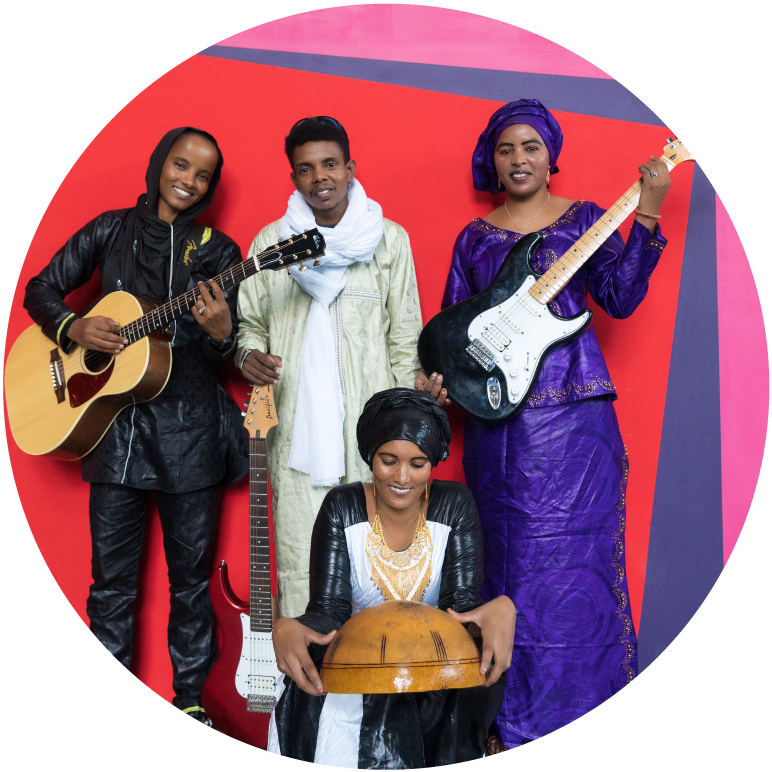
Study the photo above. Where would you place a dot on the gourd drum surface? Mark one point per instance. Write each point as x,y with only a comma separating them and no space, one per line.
400,646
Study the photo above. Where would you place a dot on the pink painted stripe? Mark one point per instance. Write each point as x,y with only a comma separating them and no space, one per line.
744,377
416,33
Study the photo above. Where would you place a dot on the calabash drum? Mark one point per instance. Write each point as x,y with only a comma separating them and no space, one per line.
400,646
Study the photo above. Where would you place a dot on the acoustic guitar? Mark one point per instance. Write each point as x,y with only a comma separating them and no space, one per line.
62,404
242,683
490,347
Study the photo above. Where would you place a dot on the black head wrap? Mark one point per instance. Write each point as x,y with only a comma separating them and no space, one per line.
144,232
403,414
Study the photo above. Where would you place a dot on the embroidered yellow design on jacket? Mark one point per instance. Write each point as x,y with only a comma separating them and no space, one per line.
207,235
191,246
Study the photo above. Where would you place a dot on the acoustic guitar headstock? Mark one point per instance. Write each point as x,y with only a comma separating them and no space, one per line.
675,152
308,245
260,412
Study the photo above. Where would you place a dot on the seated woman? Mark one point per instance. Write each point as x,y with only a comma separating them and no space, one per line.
392,528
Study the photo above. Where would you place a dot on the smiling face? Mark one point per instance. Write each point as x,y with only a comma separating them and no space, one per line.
321,174
522,160
186,175
401,471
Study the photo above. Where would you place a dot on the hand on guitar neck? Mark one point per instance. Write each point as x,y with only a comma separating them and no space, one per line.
655,181
261,369
212,313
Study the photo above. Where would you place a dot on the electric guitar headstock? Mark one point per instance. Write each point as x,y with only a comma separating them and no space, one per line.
260,412
308,245
674,153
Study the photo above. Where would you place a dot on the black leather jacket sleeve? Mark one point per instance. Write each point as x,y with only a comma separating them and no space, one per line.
230,256
329,578
71,267
462,569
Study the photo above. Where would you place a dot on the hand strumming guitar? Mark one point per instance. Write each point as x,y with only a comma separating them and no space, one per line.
97,333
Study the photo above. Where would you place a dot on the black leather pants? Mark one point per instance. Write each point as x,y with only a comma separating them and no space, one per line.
189,524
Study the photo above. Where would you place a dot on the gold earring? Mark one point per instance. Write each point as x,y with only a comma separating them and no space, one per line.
501,187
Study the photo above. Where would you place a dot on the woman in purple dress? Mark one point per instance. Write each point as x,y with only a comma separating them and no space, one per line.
550,483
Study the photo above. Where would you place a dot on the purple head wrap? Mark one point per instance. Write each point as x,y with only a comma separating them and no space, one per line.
530,111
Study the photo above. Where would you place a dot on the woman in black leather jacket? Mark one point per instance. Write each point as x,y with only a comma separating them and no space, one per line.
435,557
189,440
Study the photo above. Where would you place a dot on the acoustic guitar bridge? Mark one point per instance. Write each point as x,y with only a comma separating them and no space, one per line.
57,375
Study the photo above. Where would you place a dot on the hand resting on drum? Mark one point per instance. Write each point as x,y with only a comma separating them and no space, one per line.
291,640
496,620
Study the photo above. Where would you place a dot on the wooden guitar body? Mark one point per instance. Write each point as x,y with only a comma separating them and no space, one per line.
62,404
225,706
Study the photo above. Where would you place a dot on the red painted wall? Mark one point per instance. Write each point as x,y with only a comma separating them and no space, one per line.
413,151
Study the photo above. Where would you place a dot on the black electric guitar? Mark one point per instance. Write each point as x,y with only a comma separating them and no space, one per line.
490,347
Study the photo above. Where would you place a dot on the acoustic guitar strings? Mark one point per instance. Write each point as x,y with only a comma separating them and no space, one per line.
139,328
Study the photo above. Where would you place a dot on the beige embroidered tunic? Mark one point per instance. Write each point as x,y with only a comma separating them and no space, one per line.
376,322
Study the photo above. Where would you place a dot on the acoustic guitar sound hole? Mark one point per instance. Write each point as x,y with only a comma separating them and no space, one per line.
96,361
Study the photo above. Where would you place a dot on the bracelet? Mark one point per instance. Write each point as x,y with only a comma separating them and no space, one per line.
648,214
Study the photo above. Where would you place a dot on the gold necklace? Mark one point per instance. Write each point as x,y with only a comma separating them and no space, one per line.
519,229
400,575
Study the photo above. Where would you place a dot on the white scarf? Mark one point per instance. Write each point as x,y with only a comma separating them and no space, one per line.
317,437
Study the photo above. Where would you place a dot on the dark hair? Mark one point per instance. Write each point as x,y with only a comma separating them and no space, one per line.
318,129
199,133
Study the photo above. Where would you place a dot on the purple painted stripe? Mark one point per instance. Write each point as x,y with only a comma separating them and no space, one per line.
586,96
686,542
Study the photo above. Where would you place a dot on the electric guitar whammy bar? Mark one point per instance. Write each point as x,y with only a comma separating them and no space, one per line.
62,404
490,347
242,683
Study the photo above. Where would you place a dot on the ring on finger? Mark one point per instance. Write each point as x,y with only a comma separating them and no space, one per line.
201,310
655,174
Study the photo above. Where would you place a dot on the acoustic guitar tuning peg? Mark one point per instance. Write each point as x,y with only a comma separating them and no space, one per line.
246,404
243,413
303,268
316,263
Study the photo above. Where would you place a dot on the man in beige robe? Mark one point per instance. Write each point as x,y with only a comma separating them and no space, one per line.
376,320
